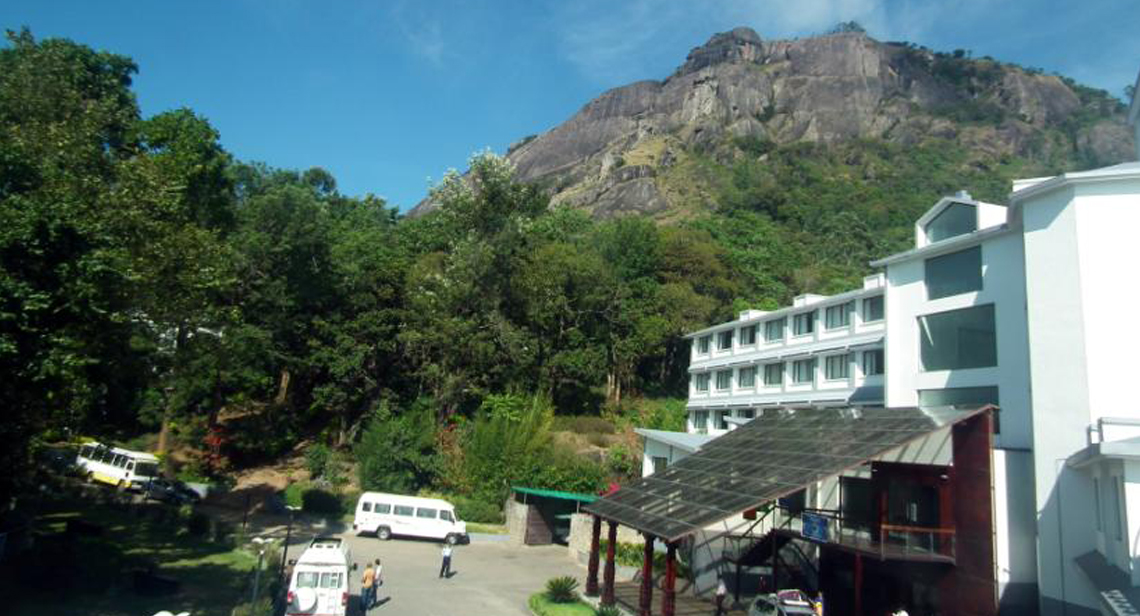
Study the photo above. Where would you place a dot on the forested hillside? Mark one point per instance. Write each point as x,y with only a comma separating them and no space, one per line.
151,281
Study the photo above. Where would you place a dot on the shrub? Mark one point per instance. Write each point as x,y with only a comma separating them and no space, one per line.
317,459
472,510
583,424
323,502
197,524
293,494
263,607
398,452
608,610
562,589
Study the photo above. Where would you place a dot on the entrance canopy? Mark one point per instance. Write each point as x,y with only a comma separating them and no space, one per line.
767,458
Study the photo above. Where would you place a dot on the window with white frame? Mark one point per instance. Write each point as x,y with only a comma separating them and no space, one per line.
958,339
972,397
746,377
873,309
748,335
721,417
837,367
774,329
723,379
839,316
803,323
703,344
700,421
724,340
774,374
954,274
872,362
955,219
803,370
701,381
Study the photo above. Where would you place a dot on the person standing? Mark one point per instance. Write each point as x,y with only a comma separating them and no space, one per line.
367,588
445,568
377,582
721,593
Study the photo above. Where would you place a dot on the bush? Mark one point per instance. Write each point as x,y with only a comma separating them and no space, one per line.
472,510
608,610
263,607
583,424
198,524
398,452
317,459
323,502
562,589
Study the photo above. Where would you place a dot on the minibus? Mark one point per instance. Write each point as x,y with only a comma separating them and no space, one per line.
411,516
119,467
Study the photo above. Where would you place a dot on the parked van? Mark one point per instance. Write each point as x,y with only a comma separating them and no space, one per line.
412,516
119,467
319,584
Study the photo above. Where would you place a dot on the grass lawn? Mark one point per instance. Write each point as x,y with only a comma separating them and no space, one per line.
541,606
92,574
488,529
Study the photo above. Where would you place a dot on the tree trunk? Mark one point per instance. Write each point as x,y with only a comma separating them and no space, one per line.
283,387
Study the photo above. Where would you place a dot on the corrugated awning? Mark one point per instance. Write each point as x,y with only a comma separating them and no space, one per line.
575,496
768,458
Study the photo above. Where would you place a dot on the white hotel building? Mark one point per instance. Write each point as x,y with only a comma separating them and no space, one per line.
1023,305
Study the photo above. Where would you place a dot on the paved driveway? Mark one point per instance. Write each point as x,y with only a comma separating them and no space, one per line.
490,578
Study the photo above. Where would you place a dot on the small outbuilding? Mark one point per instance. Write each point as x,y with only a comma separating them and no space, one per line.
540,517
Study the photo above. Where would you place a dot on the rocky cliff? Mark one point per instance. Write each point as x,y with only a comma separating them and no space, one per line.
740,96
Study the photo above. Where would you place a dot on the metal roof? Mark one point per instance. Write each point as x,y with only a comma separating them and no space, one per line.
575,496
681,440
767,458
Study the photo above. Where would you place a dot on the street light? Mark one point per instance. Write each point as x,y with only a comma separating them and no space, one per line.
288,535
260,557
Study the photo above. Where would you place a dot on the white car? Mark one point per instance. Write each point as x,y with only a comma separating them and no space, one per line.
785,603
319,584
386,515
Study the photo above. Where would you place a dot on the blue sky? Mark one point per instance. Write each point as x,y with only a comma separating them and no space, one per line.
387,94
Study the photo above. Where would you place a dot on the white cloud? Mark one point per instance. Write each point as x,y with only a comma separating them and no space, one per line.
423,32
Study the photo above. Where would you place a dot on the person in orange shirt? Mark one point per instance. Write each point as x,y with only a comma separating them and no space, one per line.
367,588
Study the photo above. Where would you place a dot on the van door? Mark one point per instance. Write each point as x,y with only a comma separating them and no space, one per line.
404,520
428,522
331,593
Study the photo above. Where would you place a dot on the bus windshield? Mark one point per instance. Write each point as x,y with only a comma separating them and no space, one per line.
146,469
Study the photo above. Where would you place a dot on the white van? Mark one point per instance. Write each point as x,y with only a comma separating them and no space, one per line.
319,584
119,467
392,514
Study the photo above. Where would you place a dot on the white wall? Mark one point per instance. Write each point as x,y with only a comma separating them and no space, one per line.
658,449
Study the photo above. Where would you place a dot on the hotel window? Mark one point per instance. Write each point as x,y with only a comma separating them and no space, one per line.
747,377
700,421
803,324
803,370
838,316
837,367
955,273
723,379
954,220
748,335
873,309
702,381
703,344
971,397
659,464
774,374
747,413
724,340
721,416
958,339
872,362
774,329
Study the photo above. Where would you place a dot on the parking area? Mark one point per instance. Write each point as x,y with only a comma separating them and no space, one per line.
490,578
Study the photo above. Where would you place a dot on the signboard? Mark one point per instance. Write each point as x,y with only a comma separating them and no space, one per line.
815,527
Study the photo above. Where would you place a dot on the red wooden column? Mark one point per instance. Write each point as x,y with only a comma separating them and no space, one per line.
645,599
608,575
592,567
858,585
669,600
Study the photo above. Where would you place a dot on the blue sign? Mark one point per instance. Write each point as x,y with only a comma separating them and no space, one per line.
815,527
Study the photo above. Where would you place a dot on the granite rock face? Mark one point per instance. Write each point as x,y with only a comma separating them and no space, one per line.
609,156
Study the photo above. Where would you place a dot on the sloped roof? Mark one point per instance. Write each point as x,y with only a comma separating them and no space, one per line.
681,440
767,458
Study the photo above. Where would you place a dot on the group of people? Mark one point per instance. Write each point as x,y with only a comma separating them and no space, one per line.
373,578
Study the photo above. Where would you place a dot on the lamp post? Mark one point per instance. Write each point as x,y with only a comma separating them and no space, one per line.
288,535
260,557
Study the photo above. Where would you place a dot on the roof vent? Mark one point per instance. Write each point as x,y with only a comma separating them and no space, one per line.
962,194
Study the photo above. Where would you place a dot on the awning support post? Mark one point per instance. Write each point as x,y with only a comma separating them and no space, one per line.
858,585
592,567
645,599
608,575
669,599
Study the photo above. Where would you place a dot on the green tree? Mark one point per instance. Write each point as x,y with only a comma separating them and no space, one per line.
397,453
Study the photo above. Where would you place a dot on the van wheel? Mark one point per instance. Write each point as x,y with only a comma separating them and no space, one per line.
90,477
383,533
121,486
452,539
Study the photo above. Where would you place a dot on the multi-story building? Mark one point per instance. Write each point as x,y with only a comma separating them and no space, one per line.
1016,305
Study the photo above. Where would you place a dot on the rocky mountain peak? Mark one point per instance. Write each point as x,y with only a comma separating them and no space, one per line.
736,45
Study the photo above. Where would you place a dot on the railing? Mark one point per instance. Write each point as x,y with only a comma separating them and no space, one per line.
891,541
